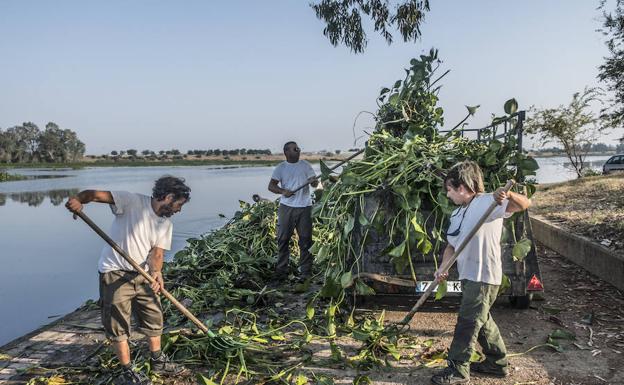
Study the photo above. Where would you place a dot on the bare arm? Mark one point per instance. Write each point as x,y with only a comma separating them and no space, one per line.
155,263
75,203
274,188
517,202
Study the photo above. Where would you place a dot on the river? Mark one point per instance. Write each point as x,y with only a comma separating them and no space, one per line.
49,261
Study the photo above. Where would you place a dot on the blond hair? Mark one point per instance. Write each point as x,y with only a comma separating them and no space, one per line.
468,174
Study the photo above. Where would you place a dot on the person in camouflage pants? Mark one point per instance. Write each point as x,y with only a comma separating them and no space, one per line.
480,271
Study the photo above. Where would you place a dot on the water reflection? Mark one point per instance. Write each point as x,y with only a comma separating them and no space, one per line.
36,198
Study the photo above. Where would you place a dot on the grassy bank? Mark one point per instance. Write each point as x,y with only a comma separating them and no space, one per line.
592,207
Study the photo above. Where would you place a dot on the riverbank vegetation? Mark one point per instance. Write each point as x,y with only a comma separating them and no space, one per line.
6,177
592,207
28,144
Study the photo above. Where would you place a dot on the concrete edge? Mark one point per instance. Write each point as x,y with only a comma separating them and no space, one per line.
584,252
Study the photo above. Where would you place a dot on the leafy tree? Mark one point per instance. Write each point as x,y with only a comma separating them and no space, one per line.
573,126
25,141
51,144
146,152
132,152
114,153
343,20
612,71
7,146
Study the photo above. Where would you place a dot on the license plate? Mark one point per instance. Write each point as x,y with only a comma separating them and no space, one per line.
451,286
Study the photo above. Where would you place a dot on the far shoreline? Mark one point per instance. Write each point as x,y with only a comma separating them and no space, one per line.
258,161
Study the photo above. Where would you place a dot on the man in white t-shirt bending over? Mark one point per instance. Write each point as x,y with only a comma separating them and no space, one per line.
295,210
480,270
141,228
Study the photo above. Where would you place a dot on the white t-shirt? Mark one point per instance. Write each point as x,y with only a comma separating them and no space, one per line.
480,261
136,229
291,176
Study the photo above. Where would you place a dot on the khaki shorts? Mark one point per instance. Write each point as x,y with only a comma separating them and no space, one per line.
126,292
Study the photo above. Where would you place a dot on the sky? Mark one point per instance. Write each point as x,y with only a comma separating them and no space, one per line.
250,74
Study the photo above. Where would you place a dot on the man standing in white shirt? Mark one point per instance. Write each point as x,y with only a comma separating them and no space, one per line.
480,271
143,229
295,210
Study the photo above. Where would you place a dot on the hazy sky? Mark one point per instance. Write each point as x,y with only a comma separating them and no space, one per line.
254,74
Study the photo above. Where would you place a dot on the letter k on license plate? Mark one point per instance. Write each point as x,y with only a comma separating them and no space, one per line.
451,286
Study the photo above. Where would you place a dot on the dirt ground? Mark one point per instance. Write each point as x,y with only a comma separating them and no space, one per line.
574,300
592,206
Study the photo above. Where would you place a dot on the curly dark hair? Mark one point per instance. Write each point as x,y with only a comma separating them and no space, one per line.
168,184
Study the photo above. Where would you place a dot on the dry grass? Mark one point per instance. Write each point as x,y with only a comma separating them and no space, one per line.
592,207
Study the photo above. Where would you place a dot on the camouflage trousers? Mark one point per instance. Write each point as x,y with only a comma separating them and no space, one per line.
475,324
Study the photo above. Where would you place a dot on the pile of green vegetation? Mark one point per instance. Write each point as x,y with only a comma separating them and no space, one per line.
223,276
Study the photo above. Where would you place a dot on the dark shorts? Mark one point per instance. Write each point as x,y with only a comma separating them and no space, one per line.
123,293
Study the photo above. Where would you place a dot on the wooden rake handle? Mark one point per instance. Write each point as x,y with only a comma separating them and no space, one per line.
445,267
138,268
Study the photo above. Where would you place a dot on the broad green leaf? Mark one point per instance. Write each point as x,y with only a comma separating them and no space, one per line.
398,250
472,109
441,290
505,284
425,246
325,171
528,165
521,249
360,335
417,227
394,99
310,310
511,106
345,280
363,289
363,220
349,225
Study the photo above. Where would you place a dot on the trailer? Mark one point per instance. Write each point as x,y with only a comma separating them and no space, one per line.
522,278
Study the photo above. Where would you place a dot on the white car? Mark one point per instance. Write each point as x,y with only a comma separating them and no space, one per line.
614,163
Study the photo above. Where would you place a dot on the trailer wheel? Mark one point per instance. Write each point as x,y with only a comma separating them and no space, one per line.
521,301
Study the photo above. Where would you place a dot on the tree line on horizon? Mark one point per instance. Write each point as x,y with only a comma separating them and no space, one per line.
150,154
26,143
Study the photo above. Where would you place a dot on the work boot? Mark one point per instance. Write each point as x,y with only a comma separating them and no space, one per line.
449,376
163,365
489,368
130,377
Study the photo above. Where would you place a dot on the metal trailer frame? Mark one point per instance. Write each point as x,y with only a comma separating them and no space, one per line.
524,276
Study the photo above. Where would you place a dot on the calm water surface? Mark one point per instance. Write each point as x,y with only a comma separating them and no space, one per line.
49,261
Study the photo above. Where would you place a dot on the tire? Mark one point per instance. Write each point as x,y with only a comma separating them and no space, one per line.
520,301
